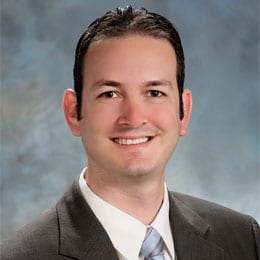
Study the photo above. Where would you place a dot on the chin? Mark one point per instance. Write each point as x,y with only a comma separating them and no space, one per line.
137,171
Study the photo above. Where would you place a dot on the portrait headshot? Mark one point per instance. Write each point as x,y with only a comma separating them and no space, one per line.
130,130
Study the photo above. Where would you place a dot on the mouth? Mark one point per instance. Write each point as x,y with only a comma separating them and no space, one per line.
132,141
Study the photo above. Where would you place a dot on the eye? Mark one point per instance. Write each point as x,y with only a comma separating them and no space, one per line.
108,94
155,93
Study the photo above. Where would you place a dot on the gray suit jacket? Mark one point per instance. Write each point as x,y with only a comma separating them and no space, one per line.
70,230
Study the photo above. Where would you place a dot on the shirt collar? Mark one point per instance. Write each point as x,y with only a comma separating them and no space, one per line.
162,223
118,223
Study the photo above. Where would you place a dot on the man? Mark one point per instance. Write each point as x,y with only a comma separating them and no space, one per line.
129,107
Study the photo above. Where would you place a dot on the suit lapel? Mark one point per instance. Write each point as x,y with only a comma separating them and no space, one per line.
189,231
81,234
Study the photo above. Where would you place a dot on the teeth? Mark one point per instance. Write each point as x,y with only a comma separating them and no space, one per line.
131,141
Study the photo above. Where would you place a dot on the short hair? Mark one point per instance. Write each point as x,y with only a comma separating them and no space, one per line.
125,21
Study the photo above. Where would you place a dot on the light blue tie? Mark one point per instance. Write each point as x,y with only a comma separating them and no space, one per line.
152,247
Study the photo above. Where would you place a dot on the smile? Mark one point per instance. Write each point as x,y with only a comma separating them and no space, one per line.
127,141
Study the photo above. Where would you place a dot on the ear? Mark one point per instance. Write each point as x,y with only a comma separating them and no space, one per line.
70,111
187,107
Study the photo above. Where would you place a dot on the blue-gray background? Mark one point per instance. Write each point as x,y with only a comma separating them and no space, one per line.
218,160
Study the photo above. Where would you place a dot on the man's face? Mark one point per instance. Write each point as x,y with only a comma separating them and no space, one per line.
130,106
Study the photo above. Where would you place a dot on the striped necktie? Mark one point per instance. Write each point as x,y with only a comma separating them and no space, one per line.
152,247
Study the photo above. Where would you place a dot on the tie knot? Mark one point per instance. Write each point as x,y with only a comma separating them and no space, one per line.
152,247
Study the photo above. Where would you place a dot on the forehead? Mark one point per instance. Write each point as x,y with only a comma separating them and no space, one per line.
133,55
130,42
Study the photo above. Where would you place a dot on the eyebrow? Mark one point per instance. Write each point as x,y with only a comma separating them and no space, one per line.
103,83
158,83
112,83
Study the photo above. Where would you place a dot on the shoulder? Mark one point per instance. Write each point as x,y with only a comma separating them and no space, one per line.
223,223
40,237
209,210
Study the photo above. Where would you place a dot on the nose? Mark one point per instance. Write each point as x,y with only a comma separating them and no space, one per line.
133,113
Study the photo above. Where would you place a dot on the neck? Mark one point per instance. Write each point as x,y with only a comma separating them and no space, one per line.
140,197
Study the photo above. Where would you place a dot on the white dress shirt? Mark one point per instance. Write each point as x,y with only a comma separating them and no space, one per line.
126,232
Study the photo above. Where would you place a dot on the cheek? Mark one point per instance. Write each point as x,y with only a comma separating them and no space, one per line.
171,125
98,119
167,118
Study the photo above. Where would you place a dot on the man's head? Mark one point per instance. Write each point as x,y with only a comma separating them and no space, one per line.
121,22
128,94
